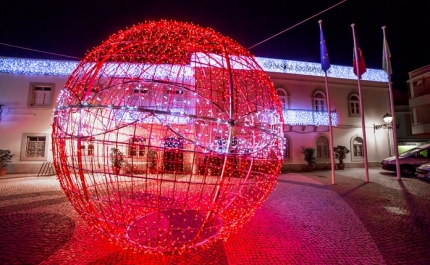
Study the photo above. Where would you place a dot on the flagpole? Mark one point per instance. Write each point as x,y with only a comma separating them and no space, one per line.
393,122
363,125
329,121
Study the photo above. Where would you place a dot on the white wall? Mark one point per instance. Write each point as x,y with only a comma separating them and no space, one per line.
14,90
375,104
18,117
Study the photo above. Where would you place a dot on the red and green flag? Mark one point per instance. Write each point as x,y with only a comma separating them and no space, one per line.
361,64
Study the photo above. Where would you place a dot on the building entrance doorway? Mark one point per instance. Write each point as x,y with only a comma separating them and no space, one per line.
173,154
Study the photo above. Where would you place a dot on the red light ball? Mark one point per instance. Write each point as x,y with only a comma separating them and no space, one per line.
167,137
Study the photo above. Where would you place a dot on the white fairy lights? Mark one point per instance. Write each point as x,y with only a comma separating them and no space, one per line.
314,69
65,68
308,117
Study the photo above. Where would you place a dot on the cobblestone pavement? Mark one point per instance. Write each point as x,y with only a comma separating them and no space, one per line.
306,220
395,213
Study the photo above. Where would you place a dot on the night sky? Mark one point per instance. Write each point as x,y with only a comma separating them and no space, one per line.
75,27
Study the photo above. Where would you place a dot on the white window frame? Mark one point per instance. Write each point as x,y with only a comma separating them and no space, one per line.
48,98
24,139
287,143
283,96
176,98
327,147
353,105
139,96
137,147
88,147
319,103
355,158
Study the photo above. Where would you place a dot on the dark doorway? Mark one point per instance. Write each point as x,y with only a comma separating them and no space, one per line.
173,154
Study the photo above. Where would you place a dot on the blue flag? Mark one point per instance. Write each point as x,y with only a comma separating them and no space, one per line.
325,61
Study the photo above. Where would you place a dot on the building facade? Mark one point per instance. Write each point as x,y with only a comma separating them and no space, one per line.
419,100
29,89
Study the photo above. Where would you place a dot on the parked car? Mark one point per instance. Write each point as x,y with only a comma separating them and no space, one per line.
409,160
423,171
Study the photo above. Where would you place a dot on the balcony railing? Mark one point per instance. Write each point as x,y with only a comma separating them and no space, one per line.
308,117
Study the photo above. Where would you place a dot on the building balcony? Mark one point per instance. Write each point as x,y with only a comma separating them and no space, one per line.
421,119
421,128
308,117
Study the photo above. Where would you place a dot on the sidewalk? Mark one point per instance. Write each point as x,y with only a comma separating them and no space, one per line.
306,220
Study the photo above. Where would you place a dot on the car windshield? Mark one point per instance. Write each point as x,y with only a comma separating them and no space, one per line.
409,152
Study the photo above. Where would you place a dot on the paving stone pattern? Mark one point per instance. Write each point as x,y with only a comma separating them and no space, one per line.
306,220
395,213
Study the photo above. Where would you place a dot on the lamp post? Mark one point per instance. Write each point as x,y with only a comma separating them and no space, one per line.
387,119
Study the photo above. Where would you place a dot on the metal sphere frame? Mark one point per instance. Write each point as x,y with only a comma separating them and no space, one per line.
167,137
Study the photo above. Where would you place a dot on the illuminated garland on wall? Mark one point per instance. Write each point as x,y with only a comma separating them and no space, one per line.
65,68
314,69
36,67
308,117
51,67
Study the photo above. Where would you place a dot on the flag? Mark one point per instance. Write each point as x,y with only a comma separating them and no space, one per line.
325,61
361,64
385,67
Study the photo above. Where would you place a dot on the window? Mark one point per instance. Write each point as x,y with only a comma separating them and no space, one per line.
323,147
283,96
176,97
41,95
319,101
34,147
287,148
87,143
357,153
139,96
83,149
90,149
137,147
354,105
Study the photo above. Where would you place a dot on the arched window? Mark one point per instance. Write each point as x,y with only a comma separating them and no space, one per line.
287,148
319,101
283,96
354,105
357,152
357,147
323,150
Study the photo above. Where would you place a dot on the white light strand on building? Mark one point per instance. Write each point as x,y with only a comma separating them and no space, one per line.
308,117
314,69
65,68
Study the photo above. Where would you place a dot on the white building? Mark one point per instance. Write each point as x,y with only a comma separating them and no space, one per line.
28,89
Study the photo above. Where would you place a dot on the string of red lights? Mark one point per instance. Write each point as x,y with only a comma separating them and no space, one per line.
167,137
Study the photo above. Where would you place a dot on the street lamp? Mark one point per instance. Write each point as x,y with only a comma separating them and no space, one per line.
387,119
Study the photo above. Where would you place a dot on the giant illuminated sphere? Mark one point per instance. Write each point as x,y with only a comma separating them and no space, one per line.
167,137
